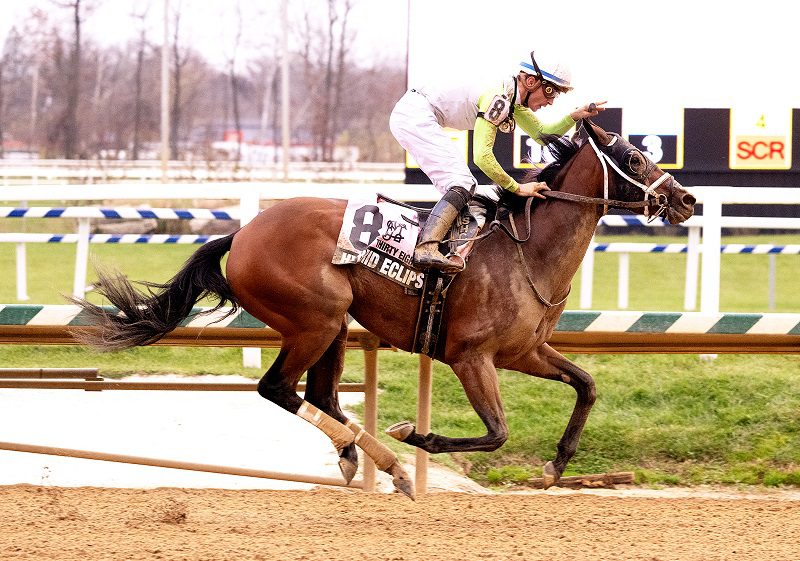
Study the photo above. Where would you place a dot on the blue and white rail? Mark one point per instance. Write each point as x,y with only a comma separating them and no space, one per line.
249,195
118,213
150,239
728,249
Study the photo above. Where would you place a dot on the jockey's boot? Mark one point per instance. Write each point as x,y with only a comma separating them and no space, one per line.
426,254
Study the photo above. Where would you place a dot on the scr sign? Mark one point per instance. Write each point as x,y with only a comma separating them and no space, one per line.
761,139
766,149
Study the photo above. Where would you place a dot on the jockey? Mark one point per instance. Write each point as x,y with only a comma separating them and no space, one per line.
418,122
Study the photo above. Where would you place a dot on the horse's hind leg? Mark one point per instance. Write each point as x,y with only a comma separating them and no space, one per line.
545,362
279,384
322,391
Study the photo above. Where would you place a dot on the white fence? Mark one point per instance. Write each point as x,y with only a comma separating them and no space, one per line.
247,195
704,236
624,250
703,232
35,172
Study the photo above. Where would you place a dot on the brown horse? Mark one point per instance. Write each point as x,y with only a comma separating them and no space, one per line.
499,313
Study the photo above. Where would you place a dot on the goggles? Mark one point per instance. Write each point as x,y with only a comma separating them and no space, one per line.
550,90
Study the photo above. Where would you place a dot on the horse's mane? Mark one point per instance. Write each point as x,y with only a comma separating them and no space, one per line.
562,149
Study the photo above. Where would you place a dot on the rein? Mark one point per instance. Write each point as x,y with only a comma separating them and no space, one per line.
596,200
544,301
514,236
605,161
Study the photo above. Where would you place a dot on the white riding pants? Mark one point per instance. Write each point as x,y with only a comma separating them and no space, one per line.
414,124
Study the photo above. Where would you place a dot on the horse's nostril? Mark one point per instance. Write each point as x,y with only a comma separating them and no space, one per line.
688,199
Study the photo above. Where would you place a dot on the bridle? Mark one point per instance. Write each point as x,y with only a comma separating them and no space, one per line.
605,161
649,190
651,197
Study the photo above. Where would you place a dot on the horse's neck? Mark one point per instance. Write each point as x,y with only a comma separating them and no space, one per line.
563,230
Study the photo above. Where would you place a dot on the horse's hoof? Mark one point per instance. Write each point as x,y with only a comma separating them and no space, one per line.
401,430
550,475
402,482
348,468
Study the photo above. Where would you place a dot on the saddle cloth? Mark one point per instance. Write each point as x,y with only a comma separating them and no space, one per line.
381,236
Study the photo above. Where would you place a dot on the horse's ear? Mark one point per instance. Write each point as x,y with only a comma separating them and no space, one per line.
595,132
581,134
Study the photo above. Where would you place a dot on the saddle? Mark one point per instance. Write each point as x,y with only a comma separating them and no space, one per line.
436,283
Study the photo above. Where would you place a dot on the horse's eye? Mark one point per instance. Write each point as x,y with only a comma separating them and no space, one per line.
637,162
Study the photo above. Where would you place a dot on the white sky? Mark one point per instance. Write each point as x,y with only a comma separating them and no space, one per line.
681,53
636,54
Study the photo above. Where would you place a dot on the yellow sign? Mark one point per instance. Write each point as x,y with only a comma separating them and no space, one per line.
527,152
761,139
459,138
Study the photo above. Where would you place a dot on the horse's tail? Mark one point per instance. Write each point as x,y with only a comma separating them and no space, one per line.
147,317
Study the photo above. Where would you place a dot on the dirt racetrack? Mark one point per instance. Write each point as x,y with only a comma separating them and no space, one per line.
204,524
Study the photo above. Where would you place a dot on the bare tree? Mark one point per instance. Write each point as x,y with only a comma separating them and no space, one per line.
3,65
264,74
327,103
67,126
234,82
338,82
67,95
137,104
330,46
180,58
366,117
7,54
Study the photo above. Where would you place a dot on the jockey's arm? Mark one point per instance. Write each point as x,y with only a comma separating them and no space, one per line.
536,129
483,138
485,134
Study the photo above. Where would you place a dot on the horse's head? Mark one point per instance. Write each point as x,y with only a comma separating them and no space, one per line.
629,175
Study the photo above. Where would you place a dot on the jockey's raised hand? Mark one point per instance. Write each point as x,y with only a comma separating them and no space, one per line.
588,110
532,189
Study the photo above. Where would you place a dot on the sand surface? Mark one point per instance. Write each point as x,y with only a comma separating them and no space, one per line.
69,509
205,524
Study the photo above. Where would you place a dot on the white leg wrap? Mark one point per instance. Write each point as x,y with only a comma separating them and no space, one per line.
380,454
339,434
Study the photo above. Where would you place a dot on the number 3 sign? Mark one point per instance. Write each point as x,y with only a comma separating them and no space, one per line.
658,134
662,149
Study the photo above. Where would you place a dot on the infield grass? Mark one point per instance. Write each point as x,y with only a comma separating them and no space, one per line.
673,419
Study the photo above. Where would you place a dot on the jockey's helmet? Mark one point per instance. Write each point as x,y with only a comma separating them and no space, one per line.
549,70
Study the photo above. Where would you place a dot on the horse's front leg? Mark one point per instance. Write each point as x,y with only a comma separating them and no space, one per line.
545,362
479,379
